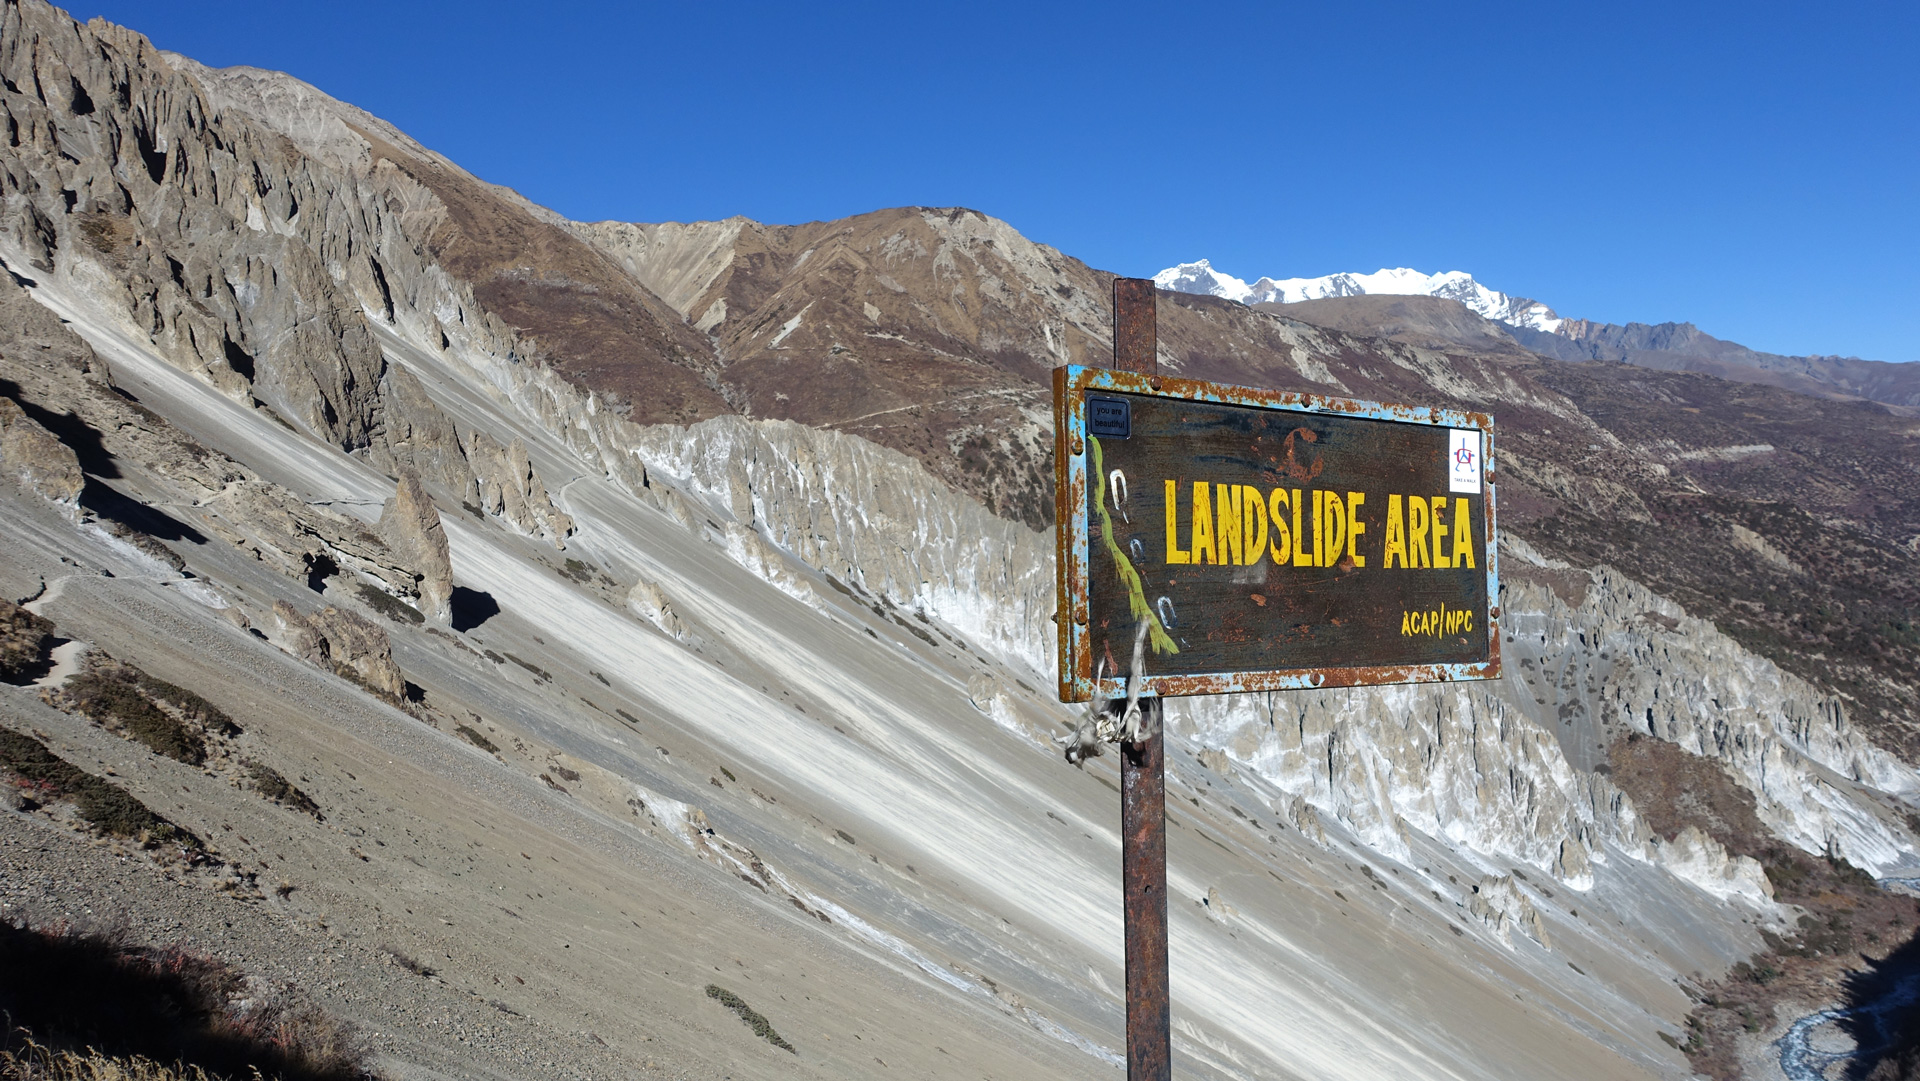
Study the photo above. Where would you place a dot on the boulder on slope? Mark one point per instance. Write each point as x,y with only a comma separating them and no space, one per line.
511,488
1499,904
346,643
38,458
648,601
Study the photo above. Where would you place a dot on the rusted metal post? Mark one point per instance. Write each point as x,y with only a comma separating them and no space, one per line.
1143,783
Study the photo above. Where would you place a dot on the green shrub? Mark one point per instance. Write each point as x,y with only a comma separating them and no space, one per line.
111,696
274,785
760,1025
389,605
105,806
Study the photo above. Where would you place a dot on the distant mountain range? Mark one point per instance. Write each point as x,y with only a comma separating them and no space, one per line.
1457,285
1537,328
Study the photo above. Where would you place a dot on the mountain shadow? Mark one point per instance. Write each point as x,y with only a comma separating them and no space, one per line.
107,502
1884,1021
74,991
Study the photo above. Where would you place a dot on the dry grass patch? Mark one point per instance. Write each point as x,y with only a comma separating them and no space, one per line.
30,1061
473,736
26,644
274,785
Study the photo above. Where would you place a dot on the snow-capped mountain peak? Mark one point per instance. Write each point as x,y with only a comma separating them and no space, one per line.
1201,277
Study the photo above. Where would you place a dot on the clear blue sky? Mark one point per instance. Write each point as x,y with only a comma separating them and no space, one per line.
1752,167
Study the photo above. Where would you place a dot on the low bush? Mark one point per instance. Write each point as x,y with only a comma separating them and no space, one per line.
274,785
192,706
389,605
99,998
47,777
532,667
111,696
26,644
760,1025
474,737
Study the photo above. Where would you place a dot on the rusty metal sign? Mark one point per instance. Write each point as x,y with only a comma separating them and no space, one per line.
1268,540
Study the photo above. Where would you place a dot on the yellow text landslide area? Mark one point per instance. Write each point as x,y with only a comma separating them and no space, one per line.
1239,525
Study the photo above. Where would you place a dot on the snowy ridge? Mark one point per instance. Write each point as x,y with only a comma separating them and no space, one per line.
1200,277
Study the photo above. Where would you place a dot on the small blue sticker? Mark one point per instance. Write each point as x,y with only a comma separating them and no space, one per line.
1109,418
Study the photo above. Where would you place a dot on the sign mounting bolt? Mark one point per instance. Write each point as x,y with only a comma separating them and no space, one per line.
1078,446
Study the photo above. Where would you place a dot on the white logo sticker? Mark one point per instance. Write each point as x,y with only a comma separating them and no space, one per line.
1463,460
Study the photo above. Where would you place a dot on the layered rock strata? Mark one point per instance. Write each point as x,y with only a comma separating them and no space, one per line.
57,374
508,486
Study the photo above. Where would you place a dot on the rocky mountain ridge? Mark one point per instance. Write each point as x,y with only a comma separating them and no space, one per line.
1534,326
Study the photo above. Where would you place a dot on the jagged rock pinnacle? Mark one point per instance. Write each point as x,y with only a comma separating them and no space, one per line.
411,527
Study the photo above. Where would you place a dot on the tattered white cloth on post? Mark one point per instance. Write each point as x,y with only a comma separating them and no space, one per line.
1101,725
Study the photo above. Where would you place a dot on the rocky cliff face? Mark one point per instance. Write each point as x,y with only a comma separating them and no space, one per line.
871,519
927,331
1593,656
143,182
58,376
1490,767
37,459
263,237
